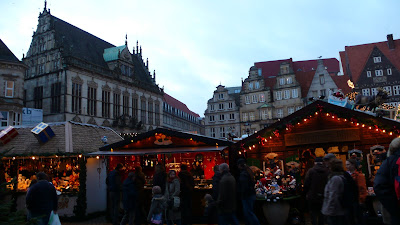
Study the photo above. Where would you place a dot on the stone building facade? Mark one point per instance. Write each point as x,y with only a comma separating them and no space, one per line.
74,75
12,72
177,116
256,110
222,118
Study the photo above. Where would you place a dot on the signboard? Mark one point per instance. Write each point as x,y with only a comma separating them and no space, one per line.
31,116
323,136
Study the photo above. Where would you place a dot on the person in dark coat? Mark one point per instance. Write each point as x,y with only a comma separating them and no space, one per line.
247,192
187,186
160,177
314,185
226,203
215,182
129,197
140,180
158,206
114,185
384,183
172,190
41,199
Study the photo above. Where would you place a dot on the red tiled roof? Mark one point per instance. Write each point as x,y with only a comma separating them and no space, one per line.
272,68
305,80
173,102
358,55
341,82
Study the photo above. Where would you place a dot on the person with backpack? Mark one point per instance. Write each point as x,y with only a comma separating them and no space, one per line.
387,182
129,197
247,192
114,185
314,185
157,207
172,190
187,186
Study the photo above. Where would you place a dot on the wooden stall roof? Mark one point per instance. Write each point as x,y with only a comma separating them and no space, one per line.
277,136
155,151
80,138
163,140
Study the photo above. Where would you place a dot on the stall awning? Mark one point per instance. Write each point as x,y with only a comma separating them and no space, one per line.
154,151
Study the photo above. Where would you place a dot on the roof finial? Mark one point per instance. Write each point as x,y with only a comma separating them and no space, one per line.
126,39
45,5
137,47
147,62
140,50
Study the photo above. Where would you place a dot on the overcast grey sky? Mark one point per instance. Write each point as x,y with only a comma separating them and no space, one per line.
196,45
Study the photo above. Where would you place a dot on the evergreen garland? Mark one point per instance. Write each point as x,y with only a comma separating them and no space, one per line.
81,204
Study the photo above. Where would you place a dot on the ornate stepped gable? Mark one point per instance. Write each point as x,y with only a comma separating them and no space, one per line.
81,49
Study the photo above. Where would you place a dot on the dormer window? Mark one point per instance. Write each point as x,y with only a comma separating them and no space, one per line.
259,71
377,59
250,86
257,85
282,81
289,80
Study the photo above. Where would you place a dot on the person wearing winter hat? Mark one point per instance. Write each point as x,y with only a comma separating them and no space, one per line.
314,185
385,185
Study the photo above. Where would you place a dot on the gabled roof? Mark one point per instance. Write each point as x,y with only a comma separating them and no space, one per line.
173,102
324,107
6,54
341,82
270,69
84,138
358,55
305,79
146,141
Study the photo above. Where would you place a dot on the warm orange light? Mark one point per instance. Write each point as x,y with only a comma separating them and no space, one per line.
391,133
298,123
240,152
363,125
370,128
316,113
33,157
305,120
333,117
80,156
327,114
97,157
358,124
345,120
384,131
270,137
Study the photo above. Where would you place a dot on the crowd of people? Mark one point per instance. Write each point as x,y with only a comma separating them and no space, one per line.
334,195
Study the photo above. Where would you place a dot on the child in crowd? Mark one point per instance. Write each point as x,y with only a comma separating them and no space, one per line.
158,206
210,210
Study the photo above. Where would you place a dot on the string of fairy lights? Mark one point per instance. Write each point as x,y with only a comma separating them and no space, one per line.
275,134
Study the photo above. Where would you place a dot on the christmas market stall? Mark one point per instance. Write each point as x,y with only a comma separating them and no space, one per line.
285,150
58,149
171,149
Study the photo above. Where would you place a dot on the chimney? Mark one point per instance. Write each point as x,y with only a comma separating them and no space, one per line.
390,41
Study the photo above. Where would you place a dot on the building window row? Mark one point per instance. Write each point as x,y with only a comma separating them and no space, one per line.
379,72
388,89
287,94
254,98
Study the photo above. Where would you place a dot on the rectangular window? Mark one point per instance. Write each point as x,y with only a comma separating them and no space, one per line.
117,105
92,101
264,114
251,115
230,105
289,80
286,94
56,97
257,85
4,118
295,93
278,95
38,97
366,92
259,71
222,132
220,96
76,103
157,113
105,104
279,113
135,104
211,107
231,116
254,98
290,110
262,98
298,107
9,92
282,81
221,117
143,111
212,118
244,116
388,89
125,105
150,113
373,91
389,71
247,99
378,73
323,92
377,59
368,73
396,90
250,86
212,132
221,106
321,79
